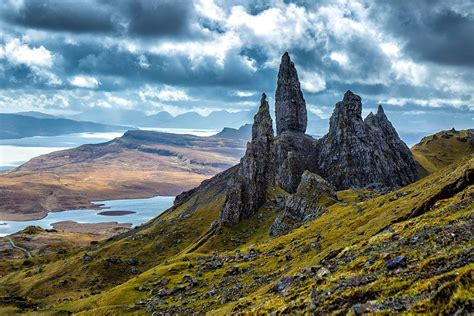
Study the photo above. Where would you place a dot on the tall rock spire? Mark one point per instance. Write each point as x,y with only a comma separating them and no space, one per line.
290,106
246,191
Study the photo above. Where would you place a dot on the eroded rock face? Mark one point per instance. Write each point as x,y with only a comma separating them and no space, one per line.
290,106
361,154
246,191
312,197
294,153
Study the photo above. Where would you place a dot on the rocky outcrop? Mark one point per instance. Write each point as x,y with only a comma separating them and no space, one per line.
246,191
362,154
354,154
290,106
314,194
294,153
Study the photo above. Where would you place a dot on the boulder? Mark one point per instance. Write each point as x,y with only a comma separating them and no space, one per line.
310,201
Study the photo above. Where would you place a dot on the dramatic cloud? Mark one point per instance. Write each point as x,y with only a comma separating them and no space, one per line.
85,82
415,57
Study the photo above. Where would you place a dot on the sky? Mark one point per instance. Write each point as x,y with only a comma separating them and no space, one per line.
416,58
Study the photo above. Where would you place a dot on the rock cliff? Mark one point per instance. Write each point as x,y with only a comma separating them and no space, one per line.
364,154
246,191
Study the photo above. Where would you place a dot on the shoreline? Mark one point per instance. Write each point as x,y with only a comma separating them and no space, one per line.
94,205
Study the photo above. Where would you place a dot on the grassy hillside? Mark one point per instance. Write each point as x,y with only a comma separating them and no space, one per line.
437,151
405,251
330,264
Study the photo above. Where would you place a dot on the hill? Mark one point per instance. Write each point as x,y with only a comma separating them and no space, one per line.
138,164
36,114
437,151
363,254
18,126
243,132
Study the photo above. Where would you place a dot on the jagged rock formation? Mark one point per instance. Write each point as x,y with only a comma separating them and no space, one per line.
310,201
294,150
358,153
290,106
354,154
247,189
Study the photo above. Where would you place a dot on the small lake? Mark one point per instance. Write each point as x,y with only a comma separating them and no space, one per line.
145,209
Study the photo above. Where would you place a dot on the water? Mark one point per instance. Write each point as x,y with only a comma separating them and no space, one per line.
191,131
145,209
14,152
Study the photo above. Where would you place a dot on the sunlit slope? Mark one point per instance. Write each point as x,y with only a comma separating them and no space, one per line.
409,250
441,149
60,277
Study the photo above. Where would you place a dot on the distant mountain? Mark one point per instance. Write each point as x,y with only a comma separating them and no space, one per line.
215,120
15,126
243,132
111,116
36,114
138,164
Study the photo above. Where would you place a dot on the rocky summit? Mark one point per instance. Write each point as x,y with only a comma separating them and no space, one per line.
355,153
290,106
368,153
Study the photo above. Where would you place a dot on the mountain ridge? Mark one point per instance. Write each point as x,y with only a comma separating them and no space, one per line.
16,126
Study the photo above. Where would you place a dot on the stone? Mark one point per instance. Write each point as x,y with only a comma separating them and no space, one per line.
290,106
366,153
132,262
310,201
246,191
323,272
87,258
294,153
397,262
282,285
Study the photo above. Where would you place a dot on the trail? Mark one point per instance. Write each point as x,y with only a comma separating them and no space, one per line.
27,252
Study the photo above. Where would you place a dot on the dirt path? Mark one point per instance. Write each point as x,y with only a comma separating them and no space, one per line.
12,243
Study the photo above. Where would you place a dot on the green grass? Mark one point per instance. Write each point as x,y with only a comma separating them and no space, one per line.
444,148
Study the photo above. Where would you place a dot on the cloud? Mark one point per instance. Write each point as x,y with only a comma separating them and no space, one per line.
436,31
312,82
242,94
340,57
158,18
206,54
57,15
167,93
17,52
84,82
